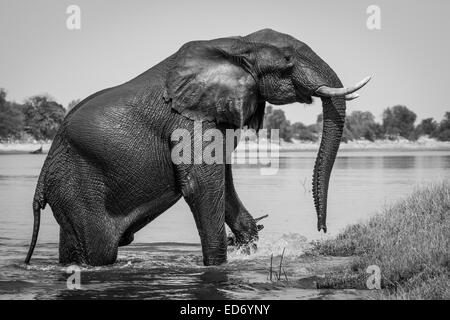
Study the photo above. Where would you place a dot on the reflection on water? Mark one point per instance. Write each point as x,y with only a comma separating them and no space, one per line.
156,267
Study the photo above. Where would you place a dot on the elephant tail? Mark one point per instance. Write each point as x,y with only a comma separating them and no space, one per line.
39,203
36,224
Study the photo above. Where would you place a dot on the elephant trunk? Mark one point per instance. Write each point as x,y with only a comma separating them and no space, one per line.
320,80
333,97
333,125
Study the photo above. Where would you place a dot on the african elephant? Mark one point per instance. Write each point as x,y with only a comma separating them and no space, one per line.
109,170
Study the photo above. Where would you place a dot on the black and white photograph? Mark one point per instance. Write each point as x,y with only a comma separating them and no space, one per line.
224,155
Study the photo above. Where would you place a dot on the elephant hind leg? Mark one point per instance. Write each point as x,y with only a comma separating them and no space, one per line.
99,255
76,192
88,234
101,249
69,249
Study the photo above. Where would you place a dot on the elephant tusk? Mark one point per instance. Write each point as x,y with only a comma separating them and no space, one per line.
259,227
351,96
260,218
325,91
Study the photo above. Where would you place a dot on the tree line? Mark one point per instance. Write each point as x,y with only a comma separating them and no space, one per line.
397,122
40,116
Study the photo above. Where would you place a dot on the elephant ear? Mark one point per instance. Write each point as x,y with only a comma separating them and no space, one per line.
213,81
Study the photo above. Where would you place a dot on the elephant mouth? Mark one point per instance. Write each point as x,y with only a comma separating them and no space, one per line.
303,97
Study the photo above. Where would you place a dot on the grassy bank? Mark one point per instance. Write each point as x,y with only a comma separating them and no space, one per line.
409,241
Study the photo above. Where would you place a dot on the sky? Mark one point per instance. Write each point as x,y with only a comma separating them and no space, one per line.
408,57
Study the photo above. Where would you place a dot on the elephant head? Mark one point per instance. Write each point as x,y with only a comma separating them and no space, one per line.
229,80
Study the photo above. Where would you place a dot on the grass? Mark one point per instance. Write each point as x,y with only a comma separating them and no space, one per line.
409,241
280,272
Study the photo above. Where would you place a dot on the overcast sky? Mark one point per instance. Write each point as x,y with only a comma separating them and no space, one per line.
409,56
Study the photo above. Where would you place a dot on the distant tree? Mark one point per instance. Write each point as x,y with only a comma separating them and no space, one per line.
297,126
310,132
426,127
304,133
315,128
286,131
444,135
2,96
43,116
359,125
399,121
443,131
72,104
276,119
11,118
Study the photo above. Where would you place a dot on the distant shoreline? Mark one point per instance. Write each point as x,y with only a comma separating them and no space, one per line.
423,144
24,147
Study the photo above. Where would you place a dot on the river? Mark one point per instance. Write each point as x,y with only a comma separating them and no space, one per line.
164,261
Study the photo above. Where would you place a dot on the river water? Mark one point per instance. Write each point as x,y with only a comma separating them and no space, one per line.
164,261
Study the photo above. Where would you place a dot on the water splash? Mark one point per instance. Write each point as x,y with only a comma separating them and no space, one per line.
294,244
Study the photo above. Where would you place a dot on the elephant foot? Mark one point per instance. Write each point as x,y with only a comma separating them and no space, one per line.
233,241
245,241
214,261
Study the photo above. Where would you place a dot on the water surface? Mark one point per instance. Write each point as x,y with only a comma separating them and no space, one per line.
164,261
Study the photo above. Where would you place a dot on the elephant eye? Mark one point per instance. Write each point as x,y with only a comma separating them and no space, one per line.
288,62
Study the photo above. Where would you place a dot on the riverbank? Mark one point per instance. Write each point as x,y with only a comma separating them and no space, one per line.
409,242
423,143
24,147
401,144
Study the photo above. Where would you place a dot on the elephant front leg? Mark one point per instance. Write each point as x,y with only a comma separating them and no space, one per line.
204,190
241,223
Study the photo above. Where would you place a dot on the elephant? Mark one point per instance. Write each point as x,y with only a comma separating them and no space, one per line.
109,170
